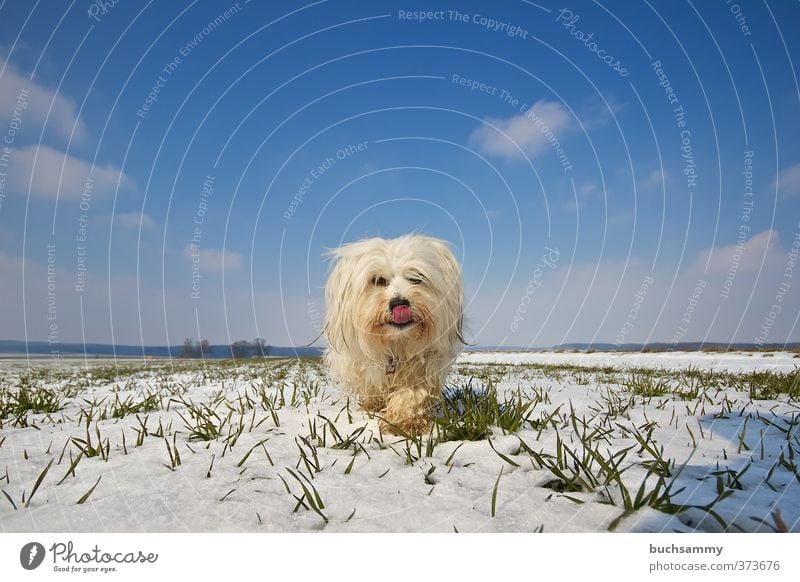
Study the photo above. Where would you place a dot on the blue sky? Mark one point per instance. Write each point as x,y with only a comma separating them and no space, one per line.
538,138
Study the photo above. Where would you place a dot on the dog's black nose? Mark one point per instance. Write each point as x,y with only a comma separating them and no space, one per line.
398,301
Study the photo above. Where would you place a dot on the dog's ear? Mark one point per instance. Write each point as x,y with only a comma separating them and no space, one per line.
453,293
446,259
340,299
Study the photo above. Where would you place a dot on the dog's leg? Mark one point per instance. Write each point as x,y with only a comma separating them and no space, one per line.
407,410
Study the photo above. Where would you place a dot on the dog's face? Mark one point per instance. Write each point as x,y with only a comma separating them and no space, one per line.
394,295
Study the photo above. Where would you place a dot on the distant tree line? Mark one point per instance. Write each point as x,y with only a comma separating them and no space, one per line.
195,349
258,348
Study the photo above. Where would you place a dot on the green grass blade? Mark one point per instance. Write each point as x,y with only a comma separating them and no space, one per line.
38,482
89,492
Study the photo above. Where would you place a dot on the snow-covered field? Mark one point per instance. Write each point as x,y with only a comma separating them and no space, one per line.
719,361
586,442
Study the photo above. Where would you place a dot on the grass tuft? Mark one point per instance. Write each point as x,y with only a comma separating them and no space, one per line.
468,413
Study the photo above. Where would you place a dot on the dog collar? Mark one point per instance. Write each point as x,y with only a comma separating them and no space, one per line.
391,365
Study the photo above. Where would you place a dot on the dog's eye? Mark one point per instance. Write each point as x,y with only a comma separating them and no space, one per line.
414,280
380,282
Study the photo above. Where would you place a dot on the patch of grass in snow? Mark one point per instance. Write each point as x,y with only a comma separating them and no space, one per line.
585,467
613,404
29,397
581,377
686,384
35,488
108,374
311,499
33,398
468,413
97,448
764,385
646,384
204,424
593,466
121,408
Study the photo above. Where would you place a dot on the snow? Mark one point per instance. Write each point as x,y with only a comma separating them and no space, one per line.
714,435
718,361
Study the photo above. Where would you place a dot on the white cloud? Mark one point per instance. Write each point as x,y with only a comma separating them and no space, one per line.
38,106
213,260
532,132
581,301
787,181
654,178
746,255
134,220
49,172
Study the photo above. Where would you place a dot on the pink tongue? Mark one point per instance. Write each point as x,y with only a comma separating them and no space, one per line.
401,314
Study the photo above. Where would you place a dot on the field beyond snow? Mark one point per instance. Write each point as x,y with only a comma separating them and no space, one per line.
522,442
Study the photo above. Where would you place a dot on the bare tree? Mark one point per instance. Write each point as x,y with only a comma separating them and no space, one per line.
262,349
187,351
204,348
241,349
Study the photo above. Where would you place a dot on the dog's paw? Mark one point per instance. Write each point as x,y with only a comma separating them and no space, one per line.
372,404
411,426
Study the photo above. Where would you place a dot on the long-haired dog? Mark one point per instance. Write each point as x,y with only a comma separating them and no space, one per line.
394,325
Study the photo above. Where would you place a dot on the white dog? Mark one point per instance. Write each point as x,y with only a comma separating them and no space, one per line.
393,325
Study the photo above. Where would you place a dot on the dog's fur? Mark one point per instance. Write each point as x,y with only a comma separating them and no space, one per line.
396,371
